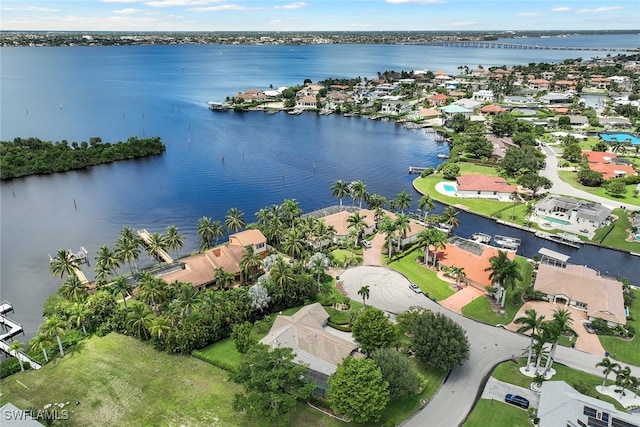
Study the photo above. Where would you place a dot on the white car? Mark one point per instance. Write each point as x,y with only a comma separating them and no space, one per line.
415,288
366,244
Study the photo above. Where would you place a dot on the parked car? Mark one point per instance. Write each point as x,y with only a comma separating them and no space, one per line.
516,400
415,288
366,244
589,327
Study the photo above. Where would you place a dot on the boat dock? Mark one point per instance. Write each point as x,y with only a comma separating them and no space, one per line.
217,106
567,239
145,236
481,238
416,169
505,242
12,329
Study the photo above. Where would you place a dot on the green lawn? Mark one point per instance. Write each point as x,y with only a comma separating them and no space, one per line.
497,413
570,178
343,255
623,350
481,309
425,278
616,234
224,351
122,381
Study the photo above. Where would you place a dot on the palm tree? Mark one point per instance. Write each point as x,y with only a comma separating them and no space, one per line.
356,221
188,299
293,243
449,216
250,261
340,190
155,245
281,272
318,264
40,343
388,227
364,293
431,237
15,348
234,220
217,231
139,320
504,272
529,209
173,239
426,204
403,201
205,231
323,232
63,263
54,326
151,290
102,275
159,326
403,225
560,324
106,260
73,289
622,378
223,278
121,286
458,274
128,246
358,191
530,323
291,210
78,313
609,366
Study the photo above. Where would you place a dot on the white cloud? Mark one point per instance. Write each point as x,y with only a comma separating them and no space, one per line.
601,9
297,5
463,23
529,15
30,9
127,11
217,8
174,3
121,1
561,9
416,1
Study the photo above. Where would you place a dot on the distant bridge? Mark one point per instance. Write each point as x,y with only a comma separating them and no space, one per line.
500,45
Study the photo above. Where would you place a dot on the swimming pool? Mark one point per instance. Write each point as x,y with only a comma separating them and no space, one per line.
556,220
620,137
451,189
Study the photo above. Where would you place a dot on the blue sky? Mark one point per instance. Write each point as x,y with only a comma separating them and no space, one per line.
318,15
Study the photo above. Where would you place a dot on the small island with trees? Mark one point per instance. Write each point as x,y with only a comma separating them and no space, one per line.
31,156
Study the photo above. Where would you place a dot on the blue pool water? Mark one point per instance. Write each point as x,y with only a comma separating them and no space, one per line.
449,188
556,220
620,137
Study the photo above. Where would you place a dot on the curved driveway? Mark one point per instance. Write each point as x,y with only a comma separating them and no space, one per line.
561,187
389,291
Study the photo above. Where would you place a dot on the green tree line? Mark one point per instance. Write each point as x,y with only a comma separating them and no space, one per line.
31,156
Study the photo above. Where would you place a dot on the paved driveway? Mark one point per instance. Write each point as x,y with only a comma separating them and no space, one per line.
495,389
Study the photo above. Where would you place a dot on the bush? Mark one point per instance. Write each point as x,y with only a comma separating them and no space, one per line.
425,173
341,327
11,366
582,387
215,362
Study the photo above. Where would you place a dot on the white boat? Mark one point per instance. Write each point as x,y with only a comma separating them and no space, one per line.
445,228
217,106
442,156
295,112
507,242
481,238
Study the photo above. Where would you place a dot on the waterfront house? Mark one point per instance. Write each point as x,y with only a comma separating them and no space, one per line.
583,288
605,163
393,107
438,99
484,187
568,209
556,98
305,333
451,110
561,405
340,222
307,103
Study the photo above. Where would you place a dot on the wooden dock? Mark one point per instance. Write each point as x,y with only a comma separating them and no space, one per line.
12,329
416,169
145,236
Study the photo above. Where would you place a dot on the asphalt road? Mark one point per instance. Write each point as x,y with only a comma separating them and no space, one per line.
490,345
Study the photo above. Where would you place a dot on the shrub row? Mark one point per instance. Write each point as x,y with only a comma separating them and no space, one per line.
213,361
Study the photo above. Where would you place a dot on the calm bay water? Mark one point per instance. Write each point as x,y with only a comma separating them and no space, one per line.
214,161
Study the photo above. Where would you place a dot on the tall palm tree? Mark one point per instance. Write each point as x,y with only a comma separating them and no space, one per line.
622,378
449,216
139,320
223,278
151,291
364,293
359,191
250,261
356,221
159,326
205,232
426,204
281,272
431,237
155,245
504,272
188,299
217,231
388,227
323,232
290,211
63,263
560,324
107,260
15,348
121,286
529,209
78,314
403,201
293,243
73,289
102,275
41,342
234,220
173,239
403,225
54,326
609,366
128,246
340,190
531,322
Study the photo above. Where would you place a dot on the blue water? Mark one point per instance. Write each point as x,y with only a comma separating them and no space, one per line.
214,161
556,220
620,137
449,188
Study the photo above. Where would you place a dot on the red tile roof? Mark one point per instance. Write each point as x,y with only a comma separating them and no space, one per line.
476,182
474,265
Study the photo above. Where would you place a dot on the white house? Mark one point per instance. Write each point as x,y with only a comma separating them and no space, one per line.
483,95
485,187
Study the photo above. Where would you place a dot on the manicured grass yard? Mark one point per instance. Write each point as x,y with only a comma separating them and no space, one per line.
497,413
570,178
425,278
121,381
625,350
615,235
